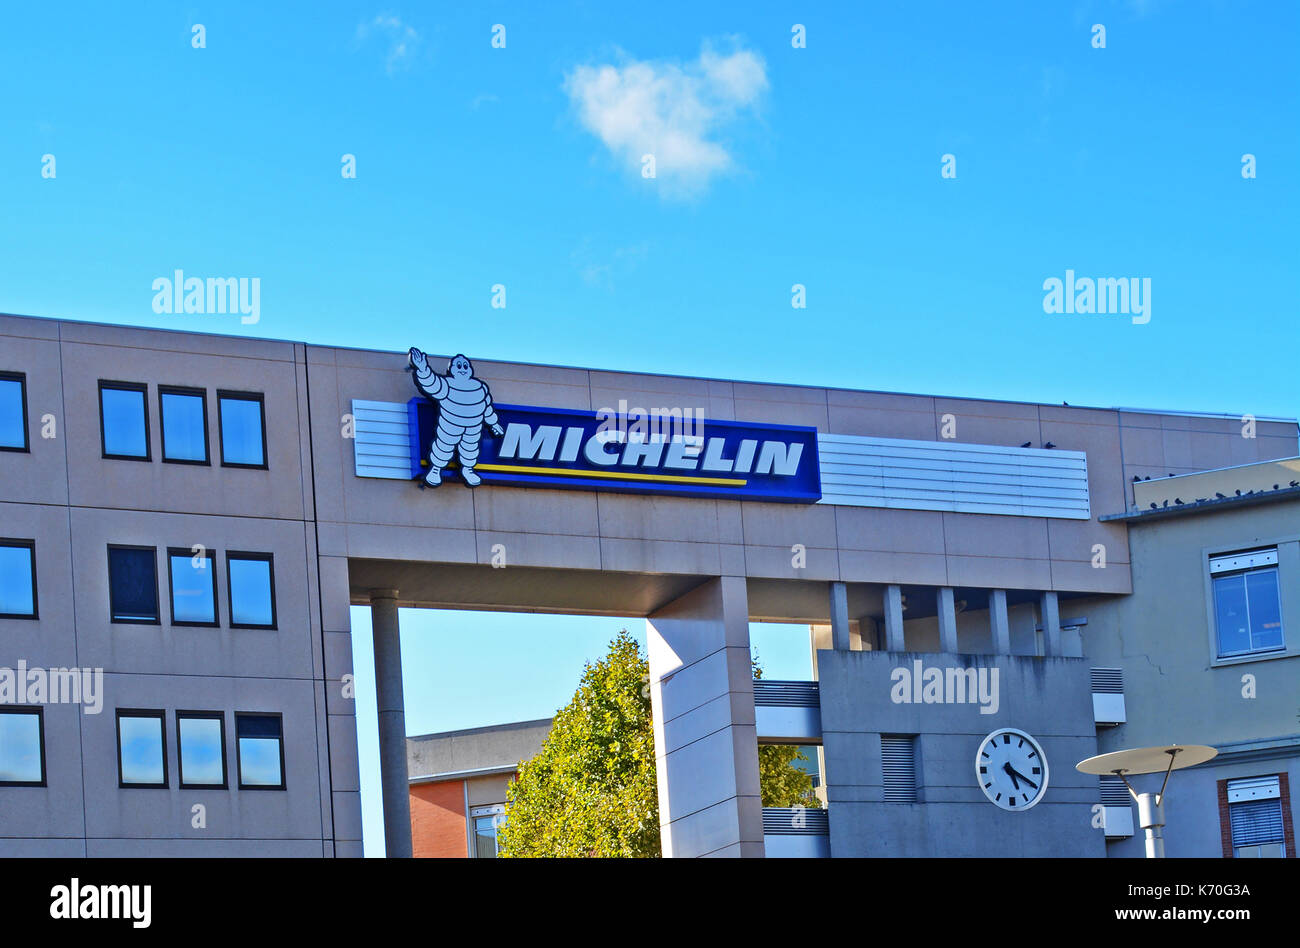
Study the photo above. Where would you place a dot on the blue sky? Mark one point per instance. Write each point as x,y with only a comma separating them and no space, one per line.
820,166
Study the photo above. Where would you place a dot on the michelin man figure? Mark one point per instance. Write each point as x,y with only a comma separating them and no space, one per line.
464,408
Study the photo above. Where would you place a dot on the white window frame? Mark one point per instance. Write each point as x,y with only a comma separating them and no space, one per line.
1278,553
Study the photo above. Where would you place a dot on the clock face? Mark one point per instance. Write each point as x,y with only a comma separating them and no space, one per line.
1011,769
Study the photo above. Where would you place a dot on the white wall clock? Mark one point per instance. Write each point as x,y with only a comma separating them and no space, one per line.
1011,769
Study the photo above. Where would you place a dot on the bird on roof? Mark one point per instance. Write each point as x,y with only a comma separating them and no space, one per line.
1027,444
1049,445
1220,496
1295,483
1238,491
1200,500
1275,487
1155,506
1165,504
1136,478
1178,501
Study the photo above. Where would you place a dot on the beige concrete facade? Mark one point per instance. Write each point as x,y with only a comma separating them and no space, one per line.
336,537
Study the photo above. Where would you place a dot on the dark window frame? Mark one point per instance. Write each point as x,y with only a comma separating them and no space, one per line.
258,397
116,385
36,605
157,609
211,557
21,379
202,395
269,558
162,729
219,716
239,757
39,711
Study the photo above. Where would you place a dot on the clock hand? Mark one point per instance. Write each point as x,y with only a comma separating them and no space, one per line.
1016,773
1007,769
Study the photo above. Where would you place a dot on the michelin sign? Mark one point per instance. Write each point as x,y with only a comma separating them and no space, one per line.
454,427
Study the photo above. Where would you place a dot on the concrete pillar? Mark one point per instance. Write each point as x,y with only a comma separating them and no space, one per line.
894,619
947,620
840,640
706,743
392,724
998,622
1051,613
819,637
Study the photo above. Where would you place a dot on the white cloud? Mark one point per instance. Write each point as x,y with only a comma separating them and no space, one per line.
671,110
402,38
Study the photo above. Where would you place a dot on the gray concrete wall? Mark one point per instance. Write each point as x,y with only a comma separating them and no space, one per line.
1047,697
458,752
74,503
1176,690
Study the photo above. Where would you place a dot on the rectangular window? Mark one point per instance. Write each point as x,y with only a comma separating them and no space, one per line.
13,412
184,414
486,821
1247,606
133,584
260,750
1256,817
141,748
242,420
123,420
22,746
17,579
250,581
193,580
201,743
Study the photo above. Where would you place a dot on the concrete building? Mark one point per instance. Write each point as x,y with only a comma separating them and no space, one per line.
193,515
458,785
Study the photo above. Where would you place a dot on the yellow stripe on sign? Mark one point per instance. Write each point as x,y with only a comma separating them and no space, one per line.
614,475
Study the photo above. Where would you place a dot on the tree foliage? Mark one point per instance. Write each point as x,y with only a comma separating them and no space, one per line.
591,789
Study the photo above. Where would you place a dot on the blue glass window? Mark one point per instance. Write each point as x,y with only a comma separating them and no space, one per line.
17,579
22,746
243,436
1248,612
124,425
194,587
184,425
132,584
13,412
250,579
261,751
201,738
141,753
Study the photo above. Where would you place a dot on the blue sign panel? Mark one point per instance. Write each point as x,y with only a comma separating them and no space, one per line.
606,451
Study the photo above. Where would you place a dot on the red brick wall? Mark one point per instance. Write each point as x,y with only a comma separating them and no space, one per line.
1288,830
1225,822
438,820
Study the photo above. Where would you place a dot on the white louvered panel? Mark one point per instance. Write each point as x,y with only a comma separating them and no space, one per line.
962,478
381,442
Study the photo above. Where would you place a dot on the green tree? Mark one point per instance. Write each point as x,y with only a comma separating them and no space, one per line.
591,789
781,781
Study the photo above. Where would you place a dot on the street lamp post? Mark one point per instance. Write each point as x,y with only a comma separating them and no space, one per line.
1149,760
